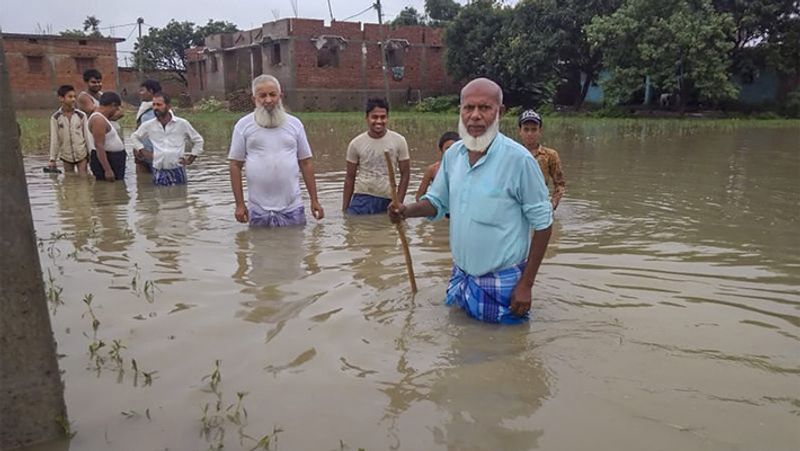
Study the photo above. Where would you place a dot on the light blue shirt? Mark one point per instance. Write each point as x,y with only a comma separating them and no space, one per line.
493,205
145,113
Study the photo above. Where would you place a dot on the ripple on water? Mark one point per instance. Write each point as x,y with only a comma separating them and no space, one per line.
666,307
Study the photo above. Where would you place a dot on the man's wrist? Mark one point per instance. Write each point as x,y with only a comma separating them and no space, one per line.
417,209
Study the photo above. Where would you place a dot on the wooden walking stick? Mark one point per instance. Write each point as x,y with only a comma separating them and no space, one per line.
400,230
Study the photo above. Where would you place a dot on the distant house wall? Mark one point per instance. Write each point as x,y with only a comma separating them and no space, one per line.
764,89
761,90
130,80
39,64
334,67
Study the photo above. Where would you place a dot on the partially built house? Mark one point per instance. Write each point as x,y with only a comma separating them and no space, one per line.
323,67
38,64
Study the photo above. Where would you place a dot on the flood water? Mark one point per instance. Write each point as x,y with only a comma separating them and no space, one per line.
667,310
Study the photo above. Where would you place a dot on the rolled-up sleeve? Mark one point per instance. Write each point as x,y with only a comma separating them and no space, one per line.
438,193
534,197
137,136
196,139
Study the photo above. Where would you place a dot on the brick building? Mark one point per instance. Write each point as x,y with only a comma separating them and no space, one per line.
131,79
38,64
321,67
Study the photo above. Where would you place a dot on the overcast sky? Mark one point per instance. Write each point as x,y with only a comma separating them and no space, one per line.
33,16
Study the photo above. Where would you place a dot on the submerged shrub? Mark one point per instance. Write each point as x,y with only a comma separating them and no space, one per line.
441,104
209,105
791,106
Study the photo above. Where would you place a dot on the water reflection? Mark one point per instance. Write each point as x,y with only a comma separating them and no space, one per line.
268,261
162,218
108,204
489,366
674,258
74,197
375,240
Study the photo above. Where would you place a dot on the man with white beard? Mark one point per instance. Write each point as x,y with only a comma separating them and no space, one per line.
274,146
495,194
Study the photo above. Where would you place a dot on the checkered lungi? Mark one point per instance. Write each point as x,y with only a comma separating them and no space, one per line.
270,218
169,177
486,297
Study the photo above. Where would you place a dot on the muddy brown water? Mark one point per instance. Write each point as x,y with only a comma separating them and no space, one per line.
667,311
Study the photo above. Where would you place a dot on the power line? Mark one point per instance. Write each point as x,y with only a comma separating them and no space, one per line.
116,26
132,30
358,14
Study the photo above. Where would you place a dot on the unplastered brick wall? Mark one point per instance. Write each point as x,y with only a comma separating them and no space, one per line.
39,64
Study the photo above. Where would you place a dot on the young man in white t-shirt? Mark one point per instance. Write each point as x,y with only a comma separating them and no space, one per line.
367,175
274,146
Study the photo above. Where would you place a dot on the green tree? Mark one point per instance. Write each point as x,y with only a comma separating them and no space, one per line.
515,47
470,38
212,27
524,58
754,19
73,32
164,48
763,30
782,46
682,45
90,25
408,16
566,20
90,29
441,11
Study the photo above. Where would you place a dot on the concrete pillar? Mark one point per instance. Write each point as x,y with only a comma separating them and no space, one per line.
31,391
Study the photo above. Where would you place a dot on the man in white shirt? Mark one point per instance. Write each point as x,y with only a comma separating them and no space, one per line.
147,90
168,135
367,175
274,146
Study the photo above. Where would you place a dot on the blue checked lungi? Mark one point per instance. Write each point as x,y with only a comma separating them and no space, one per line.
486,297
168,177
267,218
364,204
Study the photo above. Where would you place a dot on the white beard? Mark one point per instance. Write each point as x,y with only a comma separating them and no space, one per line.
270,119
480,143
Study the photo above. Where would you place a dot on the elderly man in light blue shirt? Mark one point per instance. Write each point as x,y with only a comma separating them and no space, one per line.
496,196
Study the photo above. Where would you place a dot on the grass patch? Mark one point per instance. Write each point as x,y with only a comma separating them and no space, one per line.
216,126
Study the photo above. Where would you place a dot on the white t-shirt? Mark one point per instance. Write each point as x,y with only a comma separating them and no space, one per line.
271,161
367,153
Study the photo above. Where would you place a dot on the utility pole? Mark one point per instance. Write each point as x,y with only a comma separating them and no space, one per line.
383,50
139,22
